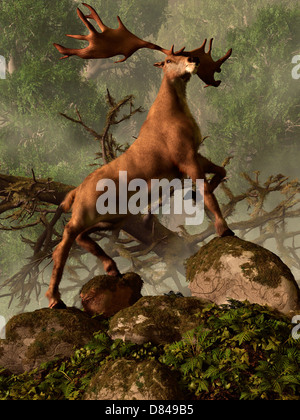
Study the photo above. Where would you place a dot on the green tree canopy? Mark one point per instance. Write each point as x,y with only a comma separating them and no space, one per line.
259,107
254,114
39,85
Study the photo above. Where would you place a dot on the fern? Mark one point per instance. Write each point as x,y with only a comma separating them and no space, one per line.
238,351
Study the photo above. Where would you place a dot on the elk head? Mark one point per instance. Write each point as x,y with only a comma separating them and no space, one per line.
178,66
111,42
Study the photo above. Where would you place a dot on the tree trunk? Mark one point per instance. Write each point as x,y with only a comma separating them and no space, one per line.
162,241
44,189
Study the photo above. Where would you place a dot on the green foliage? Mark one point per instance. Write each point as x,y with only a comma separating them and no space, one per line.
69,378
238,351
258,112
40,86
254,114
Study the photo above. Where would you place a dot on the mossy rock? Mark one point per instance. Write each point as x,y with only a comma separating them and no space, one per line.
124,379
231,268
107,295
159,319
36,337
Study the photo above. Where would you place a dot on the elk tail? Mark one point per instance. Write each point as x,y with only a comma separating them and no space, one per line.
68,201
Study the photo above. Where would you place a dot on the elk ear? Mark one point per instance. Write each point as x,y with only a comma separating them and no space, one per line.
159,64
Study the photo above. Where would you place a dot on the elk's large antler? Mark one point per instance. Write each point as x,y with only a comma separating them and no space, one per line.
109,43
208,66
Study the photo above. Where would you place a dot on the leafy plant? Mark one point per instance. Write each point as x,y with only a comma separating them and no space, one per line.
238,351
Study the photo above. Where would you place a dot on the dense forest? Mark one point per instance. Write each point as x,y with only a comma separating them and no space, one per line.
53,118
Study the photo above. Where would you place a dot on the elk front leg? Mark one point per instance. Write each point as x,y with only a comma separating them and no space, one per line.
210,168
196,169
212,205
60,256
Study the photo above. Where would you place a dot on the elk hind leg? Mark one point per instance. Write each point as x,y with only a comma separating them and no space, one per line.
91,246
60,256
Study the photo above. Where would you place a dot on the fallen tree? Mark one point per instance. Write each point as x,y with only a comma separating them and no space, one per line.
28,202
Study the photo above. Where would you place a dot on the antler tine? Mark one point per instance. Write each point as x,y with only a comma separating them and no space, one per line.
85,21
180,51
225,57
208,66
210,46
94,15
203,45
121,24
109,43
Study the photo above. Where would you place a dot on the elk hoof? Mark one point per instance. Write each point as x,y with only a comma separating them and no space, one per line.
59,305
227,232
114,273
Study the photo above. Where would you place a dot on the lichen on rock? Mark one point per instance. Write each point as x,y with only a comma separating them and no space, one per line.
125,379
159,319
233,268
45,334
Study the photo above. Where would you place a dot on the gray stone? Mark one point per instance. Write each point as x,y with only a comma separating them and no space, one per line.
107,295
36,337
233,268
159,319
124,379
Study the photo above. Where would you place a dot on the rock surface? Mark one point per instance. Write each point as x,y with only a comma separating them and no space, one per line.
159,319
107,295
233,268
36,337
124,379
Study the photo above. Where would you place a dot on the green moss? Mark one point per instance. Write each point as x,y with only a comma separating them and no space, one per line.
263,266
129,377
237,351
160,319
40,333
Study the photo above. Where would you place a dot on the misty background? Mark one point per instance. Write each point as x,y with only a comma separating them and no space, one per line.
253,115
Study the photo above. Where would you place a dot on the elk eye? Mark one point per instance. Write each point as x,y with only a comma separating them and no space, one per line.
169,61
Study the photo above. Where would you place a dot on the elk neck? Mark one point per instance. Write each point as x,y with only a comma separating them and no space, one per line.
171,107
172,96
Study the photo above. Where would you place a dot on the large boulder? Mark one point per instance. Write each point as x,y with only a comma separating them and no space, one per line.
159,319
124,379
36,337
233,268
107,295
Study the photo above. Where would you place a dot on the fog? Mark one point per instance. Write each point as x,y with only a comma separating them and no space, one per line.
186,23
